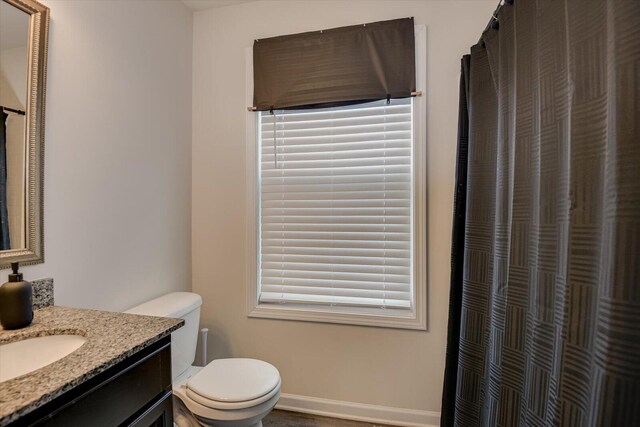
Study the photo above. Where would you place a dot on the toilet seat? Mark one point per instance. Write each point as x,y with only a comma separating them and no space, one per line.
236,383
214,404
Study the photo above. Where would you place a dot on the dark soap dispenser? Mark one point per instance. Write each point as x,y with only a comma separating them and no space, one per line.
16,301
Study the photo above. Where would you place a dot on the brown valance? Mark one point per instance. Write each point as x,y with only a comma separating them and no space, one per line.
338,66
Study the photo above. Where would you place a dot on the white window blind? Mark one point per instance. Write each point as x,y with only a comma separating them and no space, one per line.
335,223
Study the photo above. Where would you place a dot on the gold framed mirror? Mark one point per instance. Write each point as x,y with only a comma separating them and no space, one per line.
24,30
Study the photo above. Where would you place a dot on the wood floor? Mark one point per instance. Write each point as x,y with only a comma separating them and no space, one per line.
279,418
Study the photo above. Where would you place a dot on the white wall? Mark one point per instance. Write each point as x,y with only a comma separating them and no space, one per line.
13,66
387,367
118,152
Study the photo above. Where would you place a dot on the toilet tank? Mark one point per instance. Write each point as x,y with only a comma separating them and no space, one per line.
183,305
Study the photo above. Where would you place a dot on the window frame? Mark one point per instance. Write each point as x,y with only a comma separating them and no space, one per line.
416,318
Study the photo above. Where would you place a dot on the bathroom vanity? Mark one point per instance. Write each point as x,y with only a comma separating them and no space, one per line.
117,370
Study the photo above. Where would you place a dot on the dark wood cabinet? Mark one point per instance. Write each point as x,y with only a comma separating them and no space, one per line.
134,392
160,414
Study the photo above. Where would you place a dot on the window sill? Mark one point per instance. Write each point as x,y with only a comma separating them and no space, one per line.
392,318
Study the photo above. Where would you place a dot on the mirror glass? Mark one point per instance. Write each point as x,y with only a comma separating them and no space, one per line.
14,45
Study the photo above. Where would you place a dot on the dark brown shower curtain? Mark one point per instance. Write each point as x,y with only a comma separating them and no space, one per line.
544,326
5,242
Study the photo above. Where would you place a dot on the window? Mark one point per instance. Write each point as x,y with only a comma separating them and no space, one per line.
337,222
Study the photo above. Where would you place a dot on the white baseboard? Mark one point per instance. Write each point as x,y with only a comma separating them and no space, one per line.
358,411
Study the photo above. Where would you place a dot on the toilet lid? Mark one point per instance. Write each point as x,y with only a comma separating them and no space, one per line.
234,380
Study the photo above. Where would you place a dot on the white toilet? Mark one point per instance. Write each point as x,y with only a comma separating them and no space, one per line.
226,392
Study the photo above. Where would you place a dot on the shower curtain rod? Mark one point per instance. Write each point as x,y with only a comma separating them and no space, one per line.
13,110
494,15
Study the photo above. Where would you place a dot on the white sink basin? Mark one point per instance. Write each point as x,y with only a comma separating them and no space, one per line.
21,357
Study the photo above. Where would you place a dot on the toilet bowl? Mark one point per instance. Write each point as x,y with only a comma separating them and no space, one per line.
234,392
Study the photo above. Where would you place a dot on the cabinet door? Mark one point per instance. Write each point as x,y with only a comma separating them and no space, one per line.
115,397
160,414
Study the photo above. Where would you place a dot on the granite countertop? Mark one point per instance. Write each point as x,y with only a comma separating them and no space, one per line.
111,338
